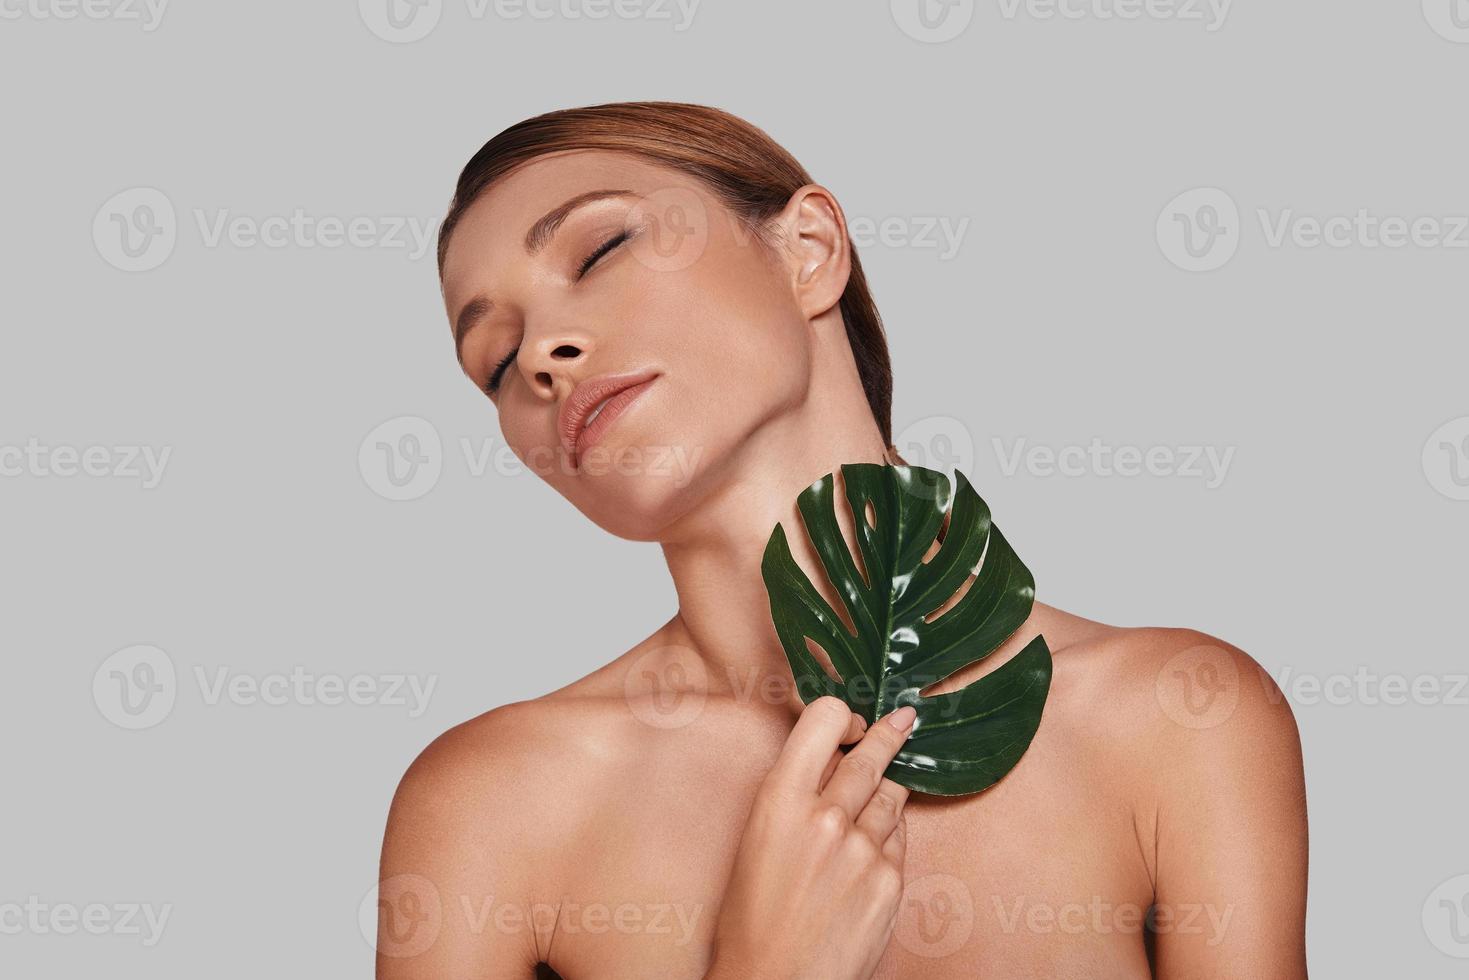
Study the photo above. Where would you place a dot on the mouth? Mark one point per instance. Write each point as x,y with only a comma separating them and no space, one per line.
595,405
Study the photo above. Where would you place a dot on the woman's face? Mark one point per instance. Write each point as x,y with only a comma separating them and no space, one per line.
637,272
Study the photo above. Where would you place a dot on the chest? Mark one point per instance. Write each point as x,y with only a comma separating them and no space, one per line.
1039,876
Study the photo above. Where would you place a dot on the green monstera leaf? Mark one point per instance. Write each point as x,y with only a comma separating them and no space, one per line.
962,741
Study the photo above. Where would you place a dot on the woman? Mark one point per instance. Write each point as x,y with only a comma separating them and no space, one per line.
676,333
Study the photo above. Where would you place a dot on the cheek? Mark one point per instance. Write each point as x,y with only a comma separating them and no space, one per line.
731,331
530,435
720,394
757,360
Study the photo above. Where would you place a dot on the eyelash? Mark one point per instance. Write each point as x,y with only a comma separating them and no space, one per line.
600,251
493,384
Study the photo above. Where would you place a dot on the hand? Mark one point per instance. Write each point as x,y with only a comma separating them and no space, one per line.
819,871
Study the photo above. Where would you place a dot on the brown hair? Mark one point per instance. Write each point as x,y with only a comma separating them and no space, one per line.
752,174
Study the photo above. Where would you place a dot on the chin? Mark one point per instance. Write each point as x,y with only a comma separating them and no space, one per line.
636,492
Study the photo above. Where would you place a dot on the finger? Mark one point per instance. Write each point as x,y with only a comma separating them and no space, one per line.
858,775
831,767
823,725
880,816
896,846
858,729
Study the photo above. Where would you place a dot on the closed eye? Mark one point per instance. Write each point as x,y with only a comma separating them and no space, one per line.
493,384
601,250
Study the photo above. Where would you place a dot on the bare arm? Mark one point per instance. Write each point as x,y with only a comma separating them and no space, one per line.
1231,841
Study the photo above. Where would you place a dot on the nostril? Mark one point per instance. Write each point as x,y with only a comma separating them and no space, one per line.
566,350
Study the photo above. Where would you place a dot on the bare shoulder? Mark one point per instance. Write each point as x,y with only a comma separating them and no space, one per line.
517,771
1197,741
1182,721
1162,708
478,836
1181,686
1162,682
528,775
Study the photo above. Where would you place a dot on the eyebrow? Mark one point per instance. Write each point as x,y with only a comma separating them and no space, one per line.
536,239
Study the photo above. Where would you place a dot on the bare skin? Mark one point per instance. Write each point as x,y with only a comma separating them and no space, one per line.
599,828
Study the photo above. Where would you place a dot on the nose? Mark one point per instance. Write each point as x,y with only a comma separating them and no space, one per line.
553,359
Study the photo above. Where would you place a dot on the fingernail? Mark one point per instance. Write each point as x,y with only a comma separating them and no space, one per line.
861,722
902,719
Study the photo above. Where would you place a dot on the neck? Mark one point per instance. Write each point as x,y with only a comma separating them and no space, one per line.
714,552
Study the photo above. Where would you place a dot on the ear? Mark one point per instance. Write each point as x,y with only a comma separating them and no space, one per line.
817,251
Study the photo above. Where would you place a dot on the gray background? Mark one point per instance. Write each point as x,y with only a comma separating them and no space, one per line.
1334,542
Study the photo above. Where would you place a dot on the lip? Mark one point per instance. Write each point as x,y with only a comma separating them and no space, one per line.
619,390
